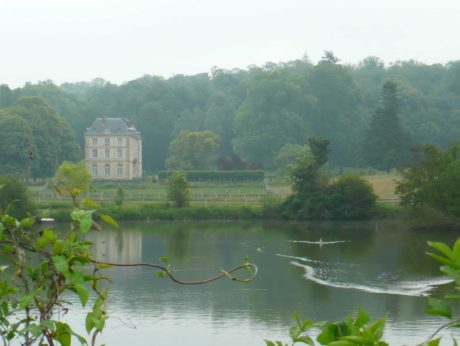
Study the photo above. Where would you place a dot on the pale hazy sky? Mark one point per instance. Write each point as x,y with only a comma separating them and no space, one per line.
120,40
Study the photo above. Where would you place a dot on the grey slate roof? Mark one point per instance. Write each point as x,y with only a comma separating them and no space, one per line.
115,126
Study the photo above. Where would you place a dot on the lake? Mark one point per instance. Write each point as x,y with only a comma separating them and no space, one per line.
380,266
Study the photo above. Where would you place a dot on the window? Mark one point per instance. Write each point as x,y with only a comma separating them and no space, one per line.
94,153
94,170
107,153
107,141
120,141
120,153
94,140
107,170
120,170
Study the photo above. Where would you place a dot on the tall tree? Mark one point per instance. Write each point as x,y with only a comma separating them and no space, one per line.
276,112
53,138
386,145
17,145
193,150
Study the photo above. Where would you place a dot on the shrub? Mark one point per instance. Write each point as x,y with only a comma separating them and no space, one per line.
13,195
352,197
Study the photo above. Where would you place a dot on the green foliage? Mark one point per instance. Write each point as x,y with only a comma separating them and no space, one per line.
352,197
52,139
235,176
274,113
13,197
40,267
16,141
74,177
120,197
386,145
178,189
193,150
433,181
313,197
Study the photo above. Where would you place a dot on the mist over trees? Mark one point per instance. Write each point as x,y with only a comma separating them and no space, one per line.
254,112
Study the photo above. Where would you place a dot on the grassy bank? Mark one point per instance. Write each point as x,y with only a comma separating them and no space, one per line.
218,201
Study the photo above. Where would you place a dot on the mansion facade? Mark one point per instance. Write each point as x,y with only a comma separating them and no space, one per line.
113,149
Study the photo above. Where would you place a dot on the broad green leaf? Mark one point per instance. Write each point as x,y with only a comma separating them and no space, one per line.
269,343
89,323
439,308
109,220
377,328
452,273
306,340
442,248
362,318
35,330
63,334
61,265
82,291
328,334
358,339
58,247
434,342
456,250
440,259
90,203
341,343
84,218
28,222
294,332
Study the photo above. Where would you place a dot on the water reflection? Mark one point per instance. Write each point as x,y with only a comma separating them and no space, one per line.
294,274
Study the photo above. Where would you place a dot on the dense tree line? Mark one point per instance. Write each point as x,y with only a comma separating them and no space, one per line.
257,111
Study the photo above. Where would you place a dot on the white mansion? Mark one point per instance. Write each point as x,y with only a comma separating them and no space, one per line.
113,149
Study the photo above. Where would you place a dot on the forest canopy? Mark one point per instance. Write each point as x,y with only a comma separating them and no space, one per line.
254,112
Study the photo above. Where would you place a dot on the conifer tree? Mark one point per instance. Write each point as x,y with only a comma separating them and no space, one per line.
386,144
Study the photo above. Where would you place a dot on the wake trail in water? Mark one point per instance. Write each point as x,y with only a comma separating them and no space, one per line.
415,288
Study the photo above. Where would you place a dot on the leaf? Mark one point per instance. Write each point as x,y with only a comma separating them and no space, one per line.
28,222
360,340
294,333
341,343
439,308
63,334
89,323
328,334
60,262
84,218
434,342
440,259
362,318
442,248
378,327
109,220
3,268
82,291
90,203
306,340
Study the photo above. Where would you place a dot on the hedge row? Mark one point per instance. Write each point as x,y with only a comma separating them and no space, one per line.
256,175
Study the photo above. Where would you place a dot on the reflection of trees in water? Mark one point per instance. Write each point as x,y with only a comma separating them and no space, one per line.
116,245
280,287
177,243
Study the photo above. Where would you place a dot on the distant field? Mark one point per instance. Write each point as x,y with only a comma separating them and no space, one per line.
384,186
206,194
